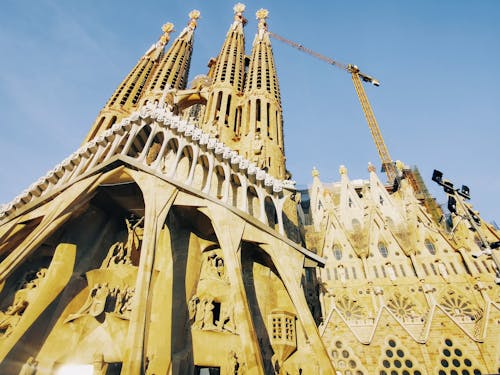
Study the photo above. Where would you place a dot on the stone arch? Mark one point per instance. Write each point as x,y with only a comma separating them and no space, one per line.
184,164
169,155
200,173
271,214
154,148
121,144
253,202
139,141
217,183
235,191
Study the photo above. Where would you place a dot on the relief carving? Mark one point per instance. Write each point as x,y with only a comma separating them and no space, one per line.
30,367
213,266
207,314
103,299
404,308
22,298
120,253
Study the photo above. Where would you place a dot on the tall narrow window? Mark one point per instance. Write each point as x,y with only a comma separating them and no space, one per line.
425,269
112,122
269,132
249,110
382,248
337,252
433,269
228,110
257,110
430,246
218,104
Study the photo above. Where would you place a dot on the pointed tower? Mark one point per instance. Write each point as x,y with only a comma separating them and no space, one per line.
262,137
126,97
223,113
173,68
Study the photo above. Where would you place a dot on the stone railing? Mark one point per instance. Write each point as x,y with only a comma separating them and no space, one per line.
161,142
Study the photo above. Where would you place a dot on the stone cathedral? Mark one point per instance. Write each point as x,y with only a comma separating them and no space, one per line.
173,241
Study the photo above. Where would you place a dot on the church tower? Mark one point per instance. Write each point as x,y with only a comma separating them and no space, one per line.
157,247
152,77
262,138
173,69
172,244
126,97
223,111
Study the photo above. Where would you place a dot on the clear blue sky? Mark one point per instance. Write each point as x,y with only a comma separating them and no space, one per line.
438,105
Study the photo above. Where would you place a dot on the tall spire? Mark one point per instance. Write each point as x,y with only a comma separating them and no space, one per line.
173,69
126,96
262,136
223,111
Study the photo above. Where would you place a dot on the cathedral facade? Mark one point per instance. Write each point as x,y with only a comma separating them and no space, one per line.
173,241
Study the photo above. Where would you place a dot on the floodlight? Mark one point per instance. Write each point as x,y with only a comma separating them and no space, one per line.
437,176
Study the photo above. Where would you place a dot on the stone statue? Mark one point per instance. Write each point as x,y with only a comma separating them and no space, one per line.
120,253
30,367
192,307
226,320
123,305
200,314
208,317
95,303
22,298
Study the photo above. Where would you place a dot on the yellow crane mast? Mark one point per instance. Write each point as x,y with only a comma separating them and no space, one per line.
387,164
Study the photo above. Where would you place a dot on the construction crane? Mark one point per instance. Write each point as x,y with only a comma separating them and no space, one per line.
388,165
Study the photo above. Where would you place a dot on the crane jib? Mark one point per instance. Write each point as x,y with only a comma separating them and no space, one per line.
387,163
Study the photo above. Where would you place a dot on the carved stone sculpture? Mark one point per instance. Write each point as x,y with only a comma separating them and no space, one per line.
22,298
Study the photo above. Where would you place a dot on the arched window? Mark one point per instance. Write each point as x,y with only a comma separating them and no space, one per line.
430,246
382,248
337,252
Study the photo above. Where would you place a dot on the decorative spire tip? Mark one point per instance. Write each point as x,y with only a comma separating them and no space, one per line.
262,14
239,8
315,172
167,29
193,16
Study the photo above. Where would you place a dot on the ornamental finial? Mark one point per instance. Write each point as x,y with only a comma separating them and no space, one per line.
193,16
239,8
342,170
371,167
167,29
400,165
262,14
315,172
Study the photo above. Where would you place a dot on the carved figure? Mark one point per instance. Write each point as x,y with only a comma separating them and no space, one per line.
95,303
125,306
30,367
200,314
119,252
22,298
192,307
226,320
213,266
208,317
219,266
